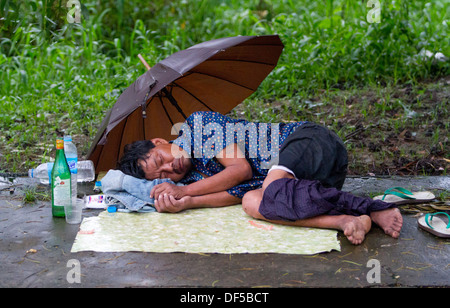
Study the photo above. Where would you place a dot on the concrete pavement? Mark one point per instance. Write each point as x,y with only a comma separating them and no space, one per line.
35,252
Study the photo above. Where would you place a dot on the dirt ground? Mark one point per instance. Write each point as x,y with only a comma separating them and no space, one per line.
389,130
390,146
395,130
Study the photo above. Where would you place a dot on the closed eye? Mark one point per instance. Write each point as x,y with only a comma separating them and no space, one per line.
154,161
154,174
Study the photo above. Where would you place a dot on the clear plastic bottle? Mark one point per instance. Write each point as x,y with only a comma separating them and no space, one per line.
70,150
42,172
85,172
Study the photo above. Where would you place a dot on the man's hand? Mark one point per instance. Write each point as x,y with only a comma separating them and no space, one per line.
168,204
177,192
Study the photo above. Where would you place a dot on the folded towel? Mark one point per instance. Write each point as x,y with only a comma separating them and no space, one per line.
131,192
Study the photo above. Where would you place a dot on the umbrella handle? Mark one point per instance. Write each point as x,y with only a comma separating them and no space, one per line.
144,62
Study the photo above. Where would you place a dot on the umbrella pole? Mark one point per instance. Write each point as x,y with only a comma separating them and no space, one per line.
144,62
168,95
144,112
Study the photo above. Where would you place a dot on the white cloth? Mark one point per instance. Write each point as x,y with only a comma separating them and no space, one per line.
279,167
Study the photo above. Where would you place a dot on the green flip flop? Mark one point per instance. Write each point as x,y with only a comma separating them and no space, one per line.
435,225
399,195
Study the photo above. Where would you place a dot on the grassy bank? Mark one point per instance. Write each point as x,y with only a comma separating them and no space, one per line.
336,68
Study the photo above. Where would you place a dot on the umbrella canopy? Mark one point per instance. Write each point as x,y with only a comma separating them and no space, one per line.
215,75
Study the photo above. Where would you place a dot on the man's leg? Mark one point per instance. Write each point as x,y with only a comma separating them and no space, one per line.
390,220
354,227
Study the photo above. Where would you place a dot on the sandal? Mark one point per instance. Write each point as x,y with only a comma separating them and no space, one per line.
437,226
399,195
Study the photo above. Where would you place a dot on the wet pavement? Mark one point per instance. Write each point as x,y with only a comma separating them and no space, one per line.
35,252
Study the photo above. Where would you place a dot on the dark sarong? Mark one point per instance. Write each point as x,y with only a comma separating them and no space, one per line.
291,200
314,152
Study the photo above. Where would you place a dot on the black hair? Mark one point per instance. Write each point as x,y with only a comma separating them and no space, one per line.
132,153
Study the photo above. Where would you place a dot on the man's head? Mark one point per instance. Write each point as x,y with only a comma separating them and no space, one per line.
155,159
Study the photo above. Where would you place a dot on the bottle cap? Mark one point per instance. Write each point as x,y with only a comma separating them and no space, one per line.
59,144
112,209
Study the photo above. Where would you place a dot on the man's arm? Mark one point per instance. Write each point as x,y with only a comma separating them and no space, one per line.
237,170
168,203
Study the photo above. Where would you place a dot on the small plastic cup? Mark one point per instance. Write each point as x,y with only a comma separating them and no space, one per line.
73,211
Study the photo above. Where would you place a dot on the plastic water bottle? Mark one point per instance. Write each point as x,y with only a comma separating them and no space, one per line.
70,150
85,172
42,172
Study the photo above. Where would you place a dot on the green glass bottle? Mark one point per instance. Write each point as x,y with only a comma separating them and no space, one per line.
60,179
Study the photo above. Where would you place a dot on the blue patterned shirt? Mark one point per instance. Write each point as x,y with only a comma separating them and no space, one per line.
205,134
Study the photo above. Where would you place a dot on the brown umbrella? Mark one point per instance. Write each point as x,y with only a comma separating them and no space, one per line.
212,76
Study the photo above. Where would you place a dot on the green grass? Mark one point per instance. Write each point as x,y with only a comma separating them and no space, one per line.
57,76
33,194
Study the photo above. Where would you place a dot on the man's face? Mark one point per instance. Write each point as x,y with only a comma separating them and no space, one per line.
160,163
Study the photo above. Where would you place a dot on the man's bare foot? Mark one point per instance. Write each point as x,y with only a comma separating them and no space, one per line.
356,227
389,220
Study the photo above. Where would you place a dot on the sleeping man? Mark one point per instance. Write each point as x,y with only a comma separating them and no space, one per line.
224,161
